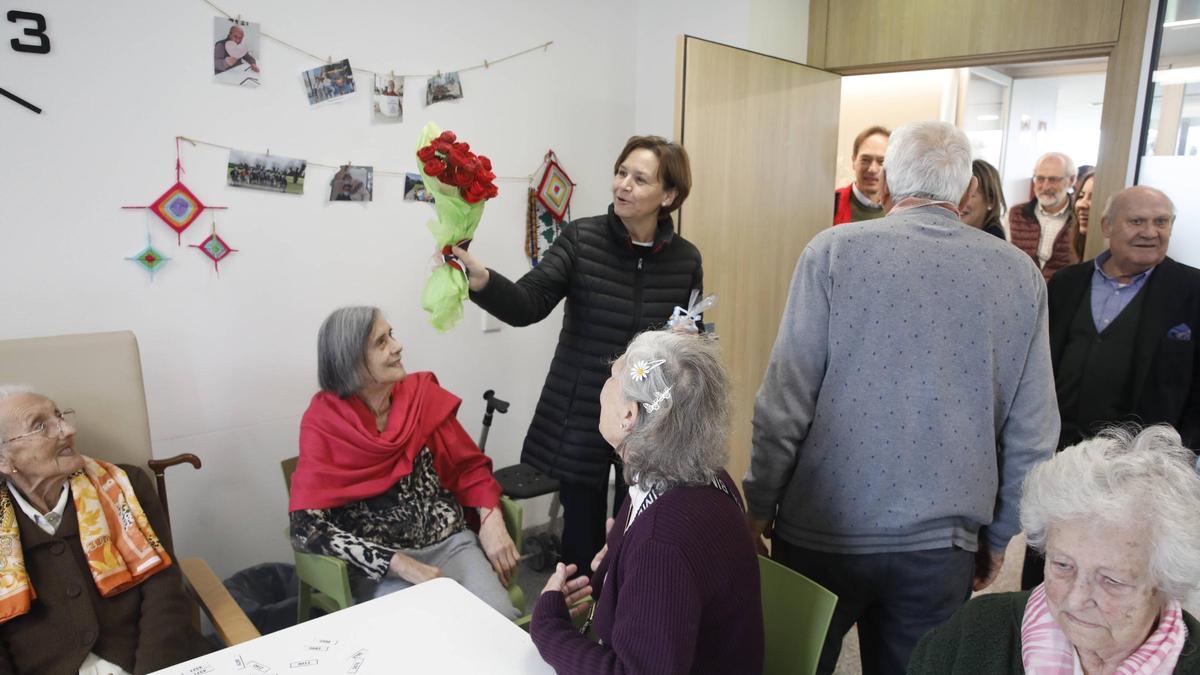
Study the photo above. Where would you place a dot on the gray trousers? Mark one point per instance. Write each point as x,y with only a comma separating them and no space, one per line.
460,558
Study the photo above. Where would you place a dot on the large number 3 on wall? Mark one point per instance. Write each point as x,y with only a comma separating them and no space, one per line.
37,31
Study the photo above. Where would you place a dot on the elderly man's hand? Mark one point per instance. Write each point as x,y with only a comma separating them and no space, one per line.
573,590
499,548
411,570
987,565
761,530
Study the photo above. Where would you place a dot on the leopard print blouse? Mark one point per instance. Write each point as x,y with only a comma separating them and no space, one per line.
414,513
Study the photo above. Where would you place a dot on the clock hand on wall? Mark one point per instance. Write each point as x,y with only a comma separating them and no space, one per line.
38,30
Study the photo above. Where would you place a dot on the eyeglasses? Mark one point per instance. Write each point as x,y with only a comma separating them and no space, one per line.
1054,180
44,428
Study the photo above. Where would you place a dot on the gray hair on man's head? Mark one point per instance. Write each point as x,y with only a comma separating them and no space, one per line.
341,349
1146,479
682,442
1115,198
930,160
1068,163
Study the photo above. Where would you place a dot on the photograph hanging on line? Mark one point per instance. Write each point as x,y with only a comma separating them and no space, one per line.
352,184
388,100
443,88
330,82
235,52
414,189
266,172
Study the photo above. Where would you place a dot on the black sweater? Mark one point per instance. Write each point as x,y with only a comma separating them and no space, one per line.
614,290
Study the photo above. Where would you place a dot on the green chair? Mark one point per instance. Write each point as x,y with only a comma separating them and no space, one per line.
325,580
796,615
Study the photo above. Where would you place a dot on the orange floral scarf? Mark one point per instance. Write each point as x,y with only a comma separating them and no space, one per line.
121,547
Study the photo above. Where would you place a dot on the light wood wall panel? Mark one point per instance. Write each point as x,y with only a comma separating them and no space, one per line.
762,134
1123,100
858,33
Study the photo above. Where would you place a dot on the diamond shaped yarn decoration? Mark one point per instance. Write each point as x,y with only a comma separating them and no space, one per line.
215,248
177,207
555,190
149,258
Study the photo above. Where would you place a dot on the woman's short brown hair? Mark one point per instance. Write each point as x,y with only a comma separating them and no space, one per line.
674,169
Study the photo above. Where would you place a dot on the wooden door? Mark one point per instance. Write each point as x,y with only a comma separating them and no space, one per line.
762,136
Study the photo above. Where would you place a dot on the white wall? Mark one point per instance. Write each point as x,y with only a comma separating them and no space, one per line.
229,361
890,100
1068,107
774,27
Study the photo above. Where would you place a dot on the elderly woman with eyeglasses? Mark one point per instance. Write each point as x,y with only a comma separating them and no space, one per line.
88,582
386,470
1117,518
677,584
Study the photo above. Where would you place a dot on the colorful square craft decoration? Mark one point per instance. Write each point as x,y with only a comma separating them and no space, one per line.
215,248
149,258
177,207
555,190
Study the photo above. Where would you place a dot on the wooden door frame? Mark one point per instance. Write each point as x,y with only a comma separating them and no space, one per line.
1125,86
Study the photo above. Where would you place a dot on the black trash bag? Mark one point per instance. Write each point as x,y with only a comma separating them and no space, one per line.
267,593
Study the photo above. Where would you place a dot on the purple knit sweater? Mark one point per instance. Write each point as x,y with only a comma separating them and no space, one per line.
681,594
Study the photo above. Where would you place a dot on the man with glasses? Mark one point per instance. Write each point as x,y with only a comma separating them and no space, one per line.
863,199
1042,227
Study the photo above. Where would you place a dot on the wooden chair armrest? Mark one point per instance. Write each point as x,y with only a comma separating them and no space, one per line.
218,605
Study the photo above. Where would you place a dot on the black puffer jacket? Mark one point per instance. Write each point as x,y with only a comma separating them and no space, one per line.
614,290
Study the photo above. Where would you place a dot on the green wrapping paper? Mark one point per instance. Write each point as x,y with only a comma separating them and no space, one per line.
446,290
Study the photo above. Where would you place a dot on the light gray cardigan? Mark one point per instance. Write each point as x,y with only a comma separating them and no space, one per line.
909,390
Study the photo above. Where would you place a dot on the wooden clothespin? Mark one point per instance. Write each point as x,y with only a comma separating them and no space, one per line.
486,65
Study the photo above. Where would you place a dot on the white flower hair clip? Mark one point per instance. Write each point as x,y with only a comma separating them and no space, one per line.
659,398
641,370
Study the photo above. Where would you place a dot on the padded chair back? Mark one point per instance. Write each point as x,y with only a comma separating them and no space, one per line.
97,374
796,615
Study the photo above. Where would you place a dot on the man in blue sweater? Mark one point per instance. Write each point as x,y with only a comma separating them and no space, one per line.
909,391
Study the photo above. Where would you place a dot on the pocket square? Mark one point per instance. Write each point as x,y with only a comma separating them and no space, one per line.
1182,332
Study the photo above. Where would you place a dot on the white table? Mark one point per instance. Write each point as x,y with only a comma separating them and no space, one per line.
434,627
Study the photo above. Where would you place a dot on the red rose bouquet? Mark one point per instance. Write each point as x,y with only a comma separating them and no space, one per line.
460,182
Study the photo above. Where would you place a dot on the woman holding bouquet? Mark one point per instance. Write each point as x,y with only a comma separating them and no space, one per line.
621,273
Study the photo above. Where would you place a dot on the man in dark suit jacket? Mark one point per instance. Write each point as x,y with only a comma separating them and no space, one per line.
1121,332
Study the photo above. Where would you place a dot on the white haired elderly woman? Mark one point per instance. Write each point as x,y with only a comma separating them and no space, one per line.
88,582
385,471
1118,517
677,583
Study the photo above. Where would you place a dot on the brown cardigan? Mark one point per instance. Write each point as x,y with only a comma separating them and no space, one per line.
143,629
1026,232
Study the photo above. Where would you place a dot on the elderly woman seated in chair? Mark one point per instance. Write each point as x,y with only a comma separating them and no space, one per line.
87,579
1116,516
677,581
385,471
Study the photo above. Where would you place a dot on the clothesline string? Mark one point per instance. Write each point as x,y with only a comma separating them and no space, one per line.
385,172
325,59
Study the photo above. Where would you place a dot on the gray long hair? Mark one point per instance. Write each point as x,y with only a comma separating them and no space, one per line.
1144,479
342,347
683,441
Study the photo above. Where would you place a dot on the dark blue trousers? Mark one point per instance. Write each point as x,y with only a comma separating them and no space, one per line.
895,598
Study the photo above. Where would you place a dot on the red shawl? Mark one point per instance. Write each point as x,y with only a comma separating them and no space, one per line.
343,458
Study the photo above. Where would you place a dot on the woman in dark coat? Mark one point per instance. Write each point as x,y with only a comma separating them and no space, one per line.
621,273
